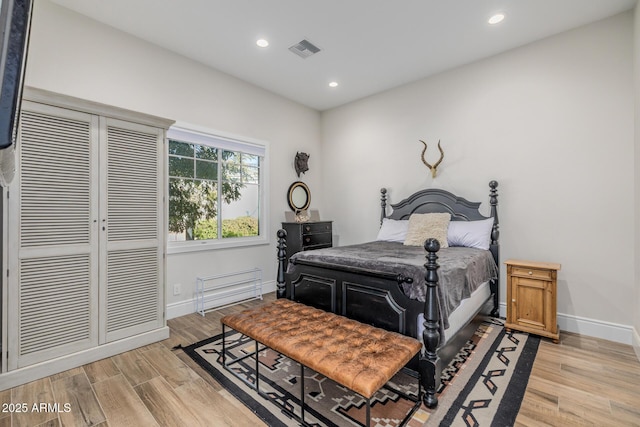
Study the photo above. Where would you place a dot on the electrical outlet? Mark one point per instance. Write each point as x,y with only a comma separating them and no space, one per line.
177,289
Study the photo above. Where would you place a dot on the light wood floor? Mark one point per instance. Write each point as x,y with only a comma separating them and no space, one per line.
581,381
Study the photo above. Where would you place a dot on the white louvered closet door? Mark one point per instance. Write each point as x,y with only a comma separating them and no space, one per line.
53,267
131,221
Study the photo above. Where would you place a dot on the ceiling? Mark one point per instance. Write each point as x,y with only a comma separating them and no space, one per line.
367,46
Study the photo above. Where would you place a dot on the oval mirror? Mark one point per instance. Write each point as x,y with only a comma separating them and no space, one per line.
299,196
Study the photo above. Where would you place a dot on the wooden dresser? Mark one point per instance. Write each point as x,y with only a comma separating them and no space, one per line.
532,297
305,236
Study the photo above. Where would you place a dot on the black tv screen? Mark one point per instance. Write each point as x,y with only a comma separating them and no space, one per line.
15,19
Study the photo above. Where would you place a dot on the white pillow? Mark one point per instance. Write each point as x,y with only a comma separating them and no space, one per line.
425,226
393,230
472,234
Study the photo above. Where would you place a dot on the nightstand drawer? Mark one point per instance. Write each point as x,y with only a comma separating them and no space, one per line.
316,227
316,239
531,272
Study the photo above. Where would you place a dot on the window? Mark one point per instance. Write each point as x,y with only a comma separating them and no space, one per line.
216,189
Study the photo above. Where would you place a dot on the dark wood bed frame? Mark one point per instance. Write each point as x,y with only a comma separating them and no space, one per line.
376,298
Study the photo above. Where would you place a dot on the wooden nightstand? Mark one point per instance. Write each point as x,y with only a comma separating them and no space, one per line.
532,297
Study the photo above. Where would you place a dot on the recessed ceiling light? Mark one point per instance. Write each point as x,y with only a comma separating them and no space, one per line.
333,84
496,19
262,43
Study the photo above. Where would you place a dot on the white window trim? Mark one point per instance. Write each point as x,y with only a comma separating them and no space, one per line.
203,136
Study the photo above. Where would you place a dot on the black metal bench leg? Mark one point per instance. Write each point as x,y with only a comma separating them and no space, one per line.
224,351
368,412
302,392
257,368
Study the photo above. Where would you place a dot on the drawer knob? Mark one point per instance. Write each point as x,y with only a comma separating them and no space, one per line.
308,239
513,300
530,273
307,228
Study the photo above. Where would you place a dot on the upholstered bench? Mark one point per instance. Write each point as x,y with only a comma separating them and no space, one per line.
360,357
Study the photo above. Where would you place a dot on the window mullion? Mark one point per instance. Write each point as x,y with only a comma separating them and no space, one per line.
195,175
219,194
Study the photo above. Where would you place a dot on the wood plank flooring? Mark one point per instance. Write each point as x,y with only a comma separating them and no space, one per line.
582,381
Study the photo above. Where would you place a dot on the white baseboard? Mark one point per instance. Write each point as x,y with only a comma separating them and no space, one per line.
182,308
590,327
636,343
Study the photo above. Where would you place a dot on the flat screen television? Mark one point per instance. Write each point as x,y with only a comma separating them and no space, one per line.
15,20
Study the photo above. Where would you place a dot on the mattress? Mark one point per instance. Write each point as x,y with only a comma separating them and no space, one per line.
466,310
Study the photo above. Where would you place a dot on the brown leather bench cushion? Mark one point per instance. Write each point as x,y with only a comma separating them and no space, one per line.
360,357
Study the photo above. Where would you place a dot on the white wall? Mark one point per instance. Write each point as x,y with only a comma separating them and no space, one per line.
552,122
76,56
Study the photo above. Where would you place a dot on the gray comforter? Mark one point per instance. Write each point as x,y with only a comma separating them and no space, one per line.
461,270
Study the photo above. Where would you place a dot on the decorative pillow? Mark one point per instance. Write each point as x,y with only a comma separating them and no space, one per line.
425,226
472,234
393,230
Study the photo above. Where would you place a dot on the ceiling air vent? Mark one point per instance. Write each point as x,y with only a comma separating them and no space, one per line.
304,49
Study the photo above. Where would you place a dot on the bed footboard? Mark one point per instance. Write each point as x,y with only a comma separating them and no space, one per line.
373,298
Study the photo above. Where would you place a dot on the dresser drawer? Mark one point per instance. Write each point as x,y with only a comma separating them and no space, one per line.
313,240
531,272
316,227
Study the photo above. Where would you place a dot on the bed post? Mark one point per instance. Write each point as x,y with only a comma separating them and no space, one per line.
495,246
282,256
493,201
383,204
429,363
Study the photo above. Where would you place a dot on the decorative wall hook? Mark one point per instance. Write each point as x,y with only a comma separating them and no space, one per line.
434,168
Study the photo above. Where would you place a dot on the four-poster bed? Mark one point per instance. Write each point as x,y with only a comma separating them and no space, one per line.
382,284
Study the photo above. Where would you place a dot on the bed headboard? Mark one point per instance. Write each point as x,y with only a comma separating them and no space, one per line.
436,200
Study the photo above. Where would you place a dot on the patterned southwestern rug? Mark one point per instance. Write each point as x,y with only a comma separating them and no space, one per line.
483,385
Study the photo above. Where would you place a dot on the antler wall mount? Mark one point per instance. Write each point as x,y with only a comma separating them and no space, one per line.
434,168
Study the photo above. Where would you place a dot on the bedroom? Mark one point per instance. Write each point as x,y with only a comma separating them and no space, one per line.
564,157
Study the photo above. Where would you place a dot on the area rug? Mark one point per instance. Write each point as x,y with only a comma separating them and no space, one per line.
482,386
